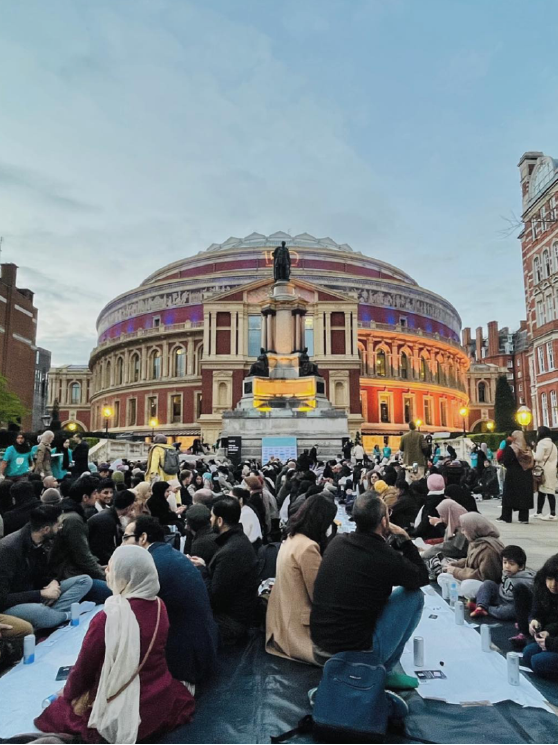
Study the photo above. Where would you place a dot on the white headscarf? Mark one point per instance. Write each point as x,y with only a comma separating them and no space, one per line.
132,574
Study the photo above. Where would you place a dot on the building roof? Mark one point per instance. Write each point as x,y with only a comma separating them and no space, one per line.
258,239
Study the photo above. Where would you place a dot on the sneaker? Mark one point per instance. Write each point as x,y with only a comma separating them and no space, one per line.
538,516
479,612
519,641
400,682
549,517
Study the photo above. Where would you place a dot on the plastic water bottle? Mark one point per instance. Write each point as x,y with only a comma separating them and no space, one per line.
48,700
459,613
74,614
29,649
453,594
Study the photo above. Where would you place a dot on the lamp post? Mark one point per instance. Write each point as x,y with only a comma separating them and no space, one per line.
153,422
463,411
107,414
524,416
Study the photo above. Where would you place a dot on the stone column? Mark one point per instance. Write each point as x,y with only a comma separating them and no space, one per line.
348,340
234,318
270,335
369,356
143,362
165,371
213,327
395,360
190,357
206,333
327,350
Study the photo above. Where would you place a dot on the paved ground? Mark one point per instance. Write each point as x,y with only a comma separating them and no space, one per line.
539,539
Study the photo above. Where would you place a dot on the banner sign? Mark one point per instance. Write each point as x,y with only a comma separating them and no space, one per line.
283,448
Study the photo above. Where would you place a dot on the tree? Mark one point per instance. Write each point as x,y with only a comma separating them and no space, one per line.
504,406
12,410
55,423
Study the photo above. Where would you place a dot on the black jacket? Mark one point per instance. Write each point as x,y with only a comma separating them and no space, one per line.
81,458
18,516
404,511
105,534
23,569
70,555
204,544
354,582
518,483
231,577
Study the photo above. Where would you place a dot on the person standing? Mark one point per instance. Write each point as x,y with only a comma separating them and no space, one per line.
17,461
413,447
518,484
80,455
43,459
163,461
546,458
61,458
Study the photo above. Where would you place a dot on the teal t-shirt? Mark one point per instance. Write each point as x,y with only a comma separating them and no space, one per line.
387,452
57,459
18,463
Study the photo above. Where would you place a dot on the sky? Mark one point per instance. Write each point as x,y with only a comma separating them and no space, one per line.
134,133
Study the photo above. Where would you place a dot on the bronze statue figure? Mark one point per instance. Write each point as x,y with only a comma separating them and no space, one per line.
281,263
260,368
305,367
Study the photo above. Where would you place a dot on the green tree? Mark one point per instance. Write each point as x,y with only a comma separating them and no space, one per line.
12,410
504,406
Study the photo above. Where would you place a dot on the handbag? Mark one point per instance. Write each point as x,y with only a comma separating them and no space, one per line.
82,704
538,472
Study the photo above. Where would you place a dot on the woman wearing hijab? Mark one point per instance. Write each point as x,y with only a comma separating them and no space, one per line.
423,527
120,689
61,457
518,484
483,560
159,507
455,543
43,461
142,492
546,457
462,496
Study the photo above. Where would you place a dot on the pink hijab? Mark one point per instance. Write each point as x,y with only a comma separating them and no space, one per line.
450,512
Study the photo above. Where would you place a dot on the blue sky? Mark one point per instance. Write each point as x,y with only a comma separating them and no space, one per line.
134,133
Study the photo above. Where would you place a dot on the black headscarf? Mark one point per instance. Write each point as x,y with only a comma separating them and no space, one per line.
158,505
462,496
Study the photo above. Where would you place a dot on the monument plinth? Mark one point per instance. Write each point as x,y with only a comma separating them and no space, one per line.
284,393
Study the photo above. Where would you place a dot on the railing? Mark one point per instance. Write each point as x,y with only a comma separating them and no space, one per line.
398,329
141,333
447,382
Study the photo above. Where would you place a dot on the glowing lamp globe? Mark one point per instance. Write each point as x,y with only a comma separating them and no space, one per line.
524,416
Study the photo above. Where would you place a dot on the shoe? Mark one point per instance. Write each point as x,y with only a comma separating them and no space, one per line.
470,605
479,612
519,641
501,520
538,516
400,682
524,522
549,517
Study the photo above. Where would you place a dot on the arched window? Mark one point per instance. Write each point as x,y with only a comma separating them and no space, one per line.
423,368
547,269
381,363
482,392
107,375
75,393
179,362
119,371
135,368
537,270
404,366
155,364
222,394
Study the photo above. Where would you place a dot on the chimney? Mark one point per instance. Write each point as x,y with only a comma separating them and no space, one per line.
478,347
526,166
466,338
9,274
493,339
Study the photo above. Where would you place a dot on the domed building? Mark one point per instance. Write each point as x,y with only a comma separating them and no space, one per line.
172,353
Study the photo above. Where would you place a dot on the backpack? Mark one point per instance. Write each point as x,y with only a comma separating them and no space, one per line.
351,703
171,464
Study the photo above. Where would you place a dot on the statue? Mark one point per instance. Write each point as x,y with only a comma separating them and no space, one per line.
305,366
260,367
281,263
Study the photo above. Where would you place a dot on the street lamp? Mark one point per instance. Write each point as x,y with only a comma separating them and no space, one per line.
153,422
524,416
463,411
418,422
490,425
72,426
107,414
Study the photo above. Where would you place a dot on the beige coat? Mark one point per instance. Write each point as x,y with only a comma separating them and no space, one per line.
547,457
288,612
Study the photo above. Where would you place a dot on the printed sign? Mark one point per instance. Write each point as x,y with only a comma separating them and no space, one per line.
283,448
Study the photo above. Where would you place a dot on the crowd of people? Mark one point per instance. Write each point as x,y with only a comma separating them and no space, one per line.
189,553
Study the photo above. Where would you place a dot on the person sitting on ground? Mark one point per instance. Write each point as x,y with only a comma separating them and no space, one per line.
105,470
142,490
120,690
51,496
455,544
27,587
542,654
354,605
488,485
423,527
50,482
71,555
13,630
483,559
249,517
102,497
231,576
25,501
193,634
499,600
160,453
388,494
203,496
405,509
186,495
298,562
159,507
462,496
106,528
202,539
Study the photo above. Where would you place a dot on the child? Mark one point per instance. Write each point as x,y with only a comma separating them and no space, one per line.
542,655
499,600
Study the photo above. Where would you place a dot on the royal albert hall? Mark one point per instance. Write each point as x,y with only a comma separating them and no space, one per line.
173,352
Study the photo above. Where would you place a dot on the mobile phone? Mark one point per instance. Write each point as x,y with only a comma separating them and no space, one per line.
63,672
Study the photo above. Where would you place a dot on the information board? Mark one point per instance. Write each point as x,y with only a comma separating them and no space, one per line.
283,448
234,448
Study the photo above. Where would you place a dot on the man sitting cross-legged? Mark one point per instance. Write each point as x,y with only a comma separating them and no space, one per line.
192,641
354,605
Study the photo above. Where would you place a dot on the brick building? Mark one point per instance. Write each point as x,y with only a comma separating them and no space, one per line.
18,334
539,249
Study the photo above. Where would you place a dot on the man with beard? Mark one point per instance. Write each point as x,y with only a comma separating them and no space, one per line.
354,605
27,590
17,461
